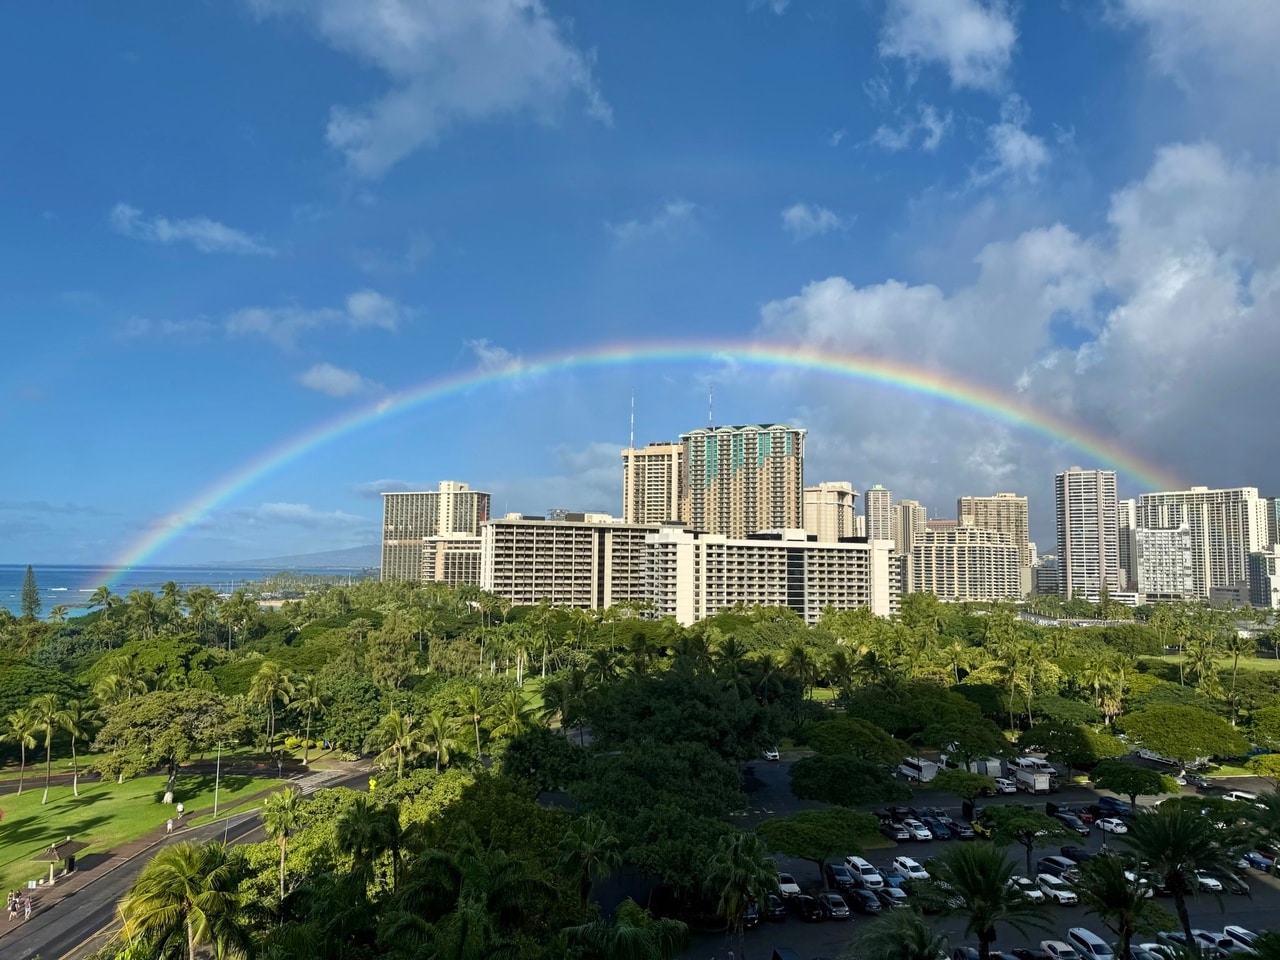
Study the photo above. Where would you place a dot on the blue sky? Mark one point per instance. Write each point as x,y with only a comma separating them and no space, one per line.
223,223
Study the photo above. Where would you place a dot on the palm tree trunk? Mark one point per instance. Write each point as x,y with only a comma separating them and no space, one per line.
48,764
1180,908
306,744
22,769
475,719
283,841
75,770
191,940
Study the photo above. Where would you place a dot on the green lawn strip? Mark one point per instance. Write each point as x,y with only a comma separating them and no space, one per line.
1224,663
105,815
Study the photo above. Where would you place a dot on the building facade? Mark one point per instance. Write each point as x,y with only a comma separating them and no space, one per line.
1226,526
1003,513
1088,532
694,575
651,482
737,481
968,564
453,509
830,511
451,560
910,519
1164,562
878,506
1264,578
1127,512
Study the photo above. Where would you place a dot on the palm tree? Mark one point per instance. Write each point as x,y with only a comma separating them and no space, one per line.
899,935
514,716
101,597
1176,841
590,851
310,699
269,685
122,680
202,606
365,831
739,872
58,613
48,711
472,704
188,891
399,738
977,887
1124,907
141,611
437,730
21,727
633,935
1237,646
75,718
281,815
170,603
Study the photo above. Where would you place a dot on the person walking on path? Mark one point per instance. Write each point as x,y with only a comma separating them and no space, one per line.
169,826
26,908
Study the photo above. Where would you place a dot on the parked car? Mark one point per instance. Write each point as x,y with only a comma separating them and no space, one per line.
770,753
1256,859
895,831
971,953
833,906
1072,822
1243,796
1209,943
864,874
787,885
1241,935
1208,882
839,876
1237,885
1089,945
1147,951
807,907
893,897
751,916
1078,854
1057,950
908,869
917,829
1111,825
775,910
1028,888
1005,785
938,829
1057,866
864,901
1200,782
1057,889
1111,807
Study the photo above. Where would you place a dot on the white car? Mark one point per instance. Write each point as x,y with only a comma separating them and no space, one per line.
1241,935
1206,882
770,753
1004,785
917,830
1111,825
1028,888
787,885
1057,889
1059,950
1244,796
908,869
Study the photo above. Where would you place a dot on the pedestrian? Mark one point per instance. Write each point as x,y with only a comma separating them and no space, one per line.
169,826
26,908
13,906
181,809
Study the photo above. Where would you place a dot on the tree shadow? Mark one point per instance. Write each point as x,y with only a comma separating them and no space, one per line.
193,785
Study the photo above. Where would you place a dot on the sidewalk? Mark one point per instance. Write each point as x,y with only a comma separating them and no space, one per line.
46,897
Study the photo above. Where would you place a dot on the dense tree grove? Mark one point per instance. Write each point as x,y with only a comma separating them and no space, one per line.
557,783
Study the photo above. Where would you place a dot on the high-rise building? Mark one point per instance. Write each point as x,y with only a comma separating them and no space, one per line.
694,575
453,509
1164,562
1127,512
878,506
1044,576
452,560
967,564
1226,526
651,482
1088,532
740,480
1264,578
1273,521
1004,513
830,511
909,520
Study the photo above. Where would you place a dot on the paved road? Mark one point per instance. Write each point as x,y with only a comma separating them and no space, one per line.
79,925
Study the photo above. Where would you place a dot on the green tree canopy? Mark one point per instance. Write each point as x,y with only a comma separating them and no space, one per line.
845,781
1183,733
1018,823
1132,781
818,835
1074,745
964,784
856,738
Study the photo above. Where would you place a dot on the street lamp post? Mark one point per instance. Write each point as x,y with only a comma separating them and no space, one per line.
217,778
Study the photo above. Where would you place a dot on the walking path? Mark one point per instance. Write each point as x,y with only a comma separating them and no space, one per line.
61,929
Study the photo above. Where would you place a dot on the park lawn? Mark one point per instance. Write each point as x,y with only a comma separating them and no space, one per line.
1224,663
105,815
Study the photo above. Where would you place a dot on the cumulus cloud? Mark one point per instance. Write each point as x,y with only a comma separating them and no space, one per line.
589,480
673,216
334,381
207,236
1012,152
284,325
491,357
447,62
972,39
1232,35
374,489
930,126
805,220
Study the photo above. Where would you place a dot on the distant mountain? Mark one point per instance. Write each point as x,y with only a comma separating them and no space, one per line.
353,558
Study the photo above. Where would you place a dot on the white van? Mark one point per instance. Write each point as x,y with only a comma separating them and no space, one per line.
1089,944
1032,763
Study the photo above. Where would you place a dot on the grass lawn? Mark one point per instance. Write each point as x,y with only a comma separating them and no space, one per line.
1224,663
105,815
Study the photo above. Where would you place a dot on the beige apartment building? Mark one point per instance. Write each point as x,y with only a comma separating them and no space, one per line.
910,519
453,560
694,575
877,504
1226,526
967,564
740,480
1003,513
830,511
651,482
453,509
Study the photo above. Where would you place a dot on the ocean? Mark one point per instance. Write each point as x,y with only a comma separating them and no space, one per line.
72,586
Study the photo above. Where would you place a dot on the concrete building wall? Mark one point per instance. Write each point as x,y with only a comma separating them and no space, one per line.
1226,526
967,564
410,518
1164,561
1088,532
739,480
651,475
830,511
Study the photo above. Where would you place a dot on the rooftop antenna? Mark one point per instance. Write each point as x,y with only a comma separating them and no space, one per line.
631,443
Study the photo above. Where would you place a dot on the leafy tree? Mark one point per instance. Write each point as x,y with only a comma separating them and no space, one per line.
30,595
846,781
856,738
1265,765
1130,780
1264,727
590,852
964,784
187,892
975,879
968,740
740,872
399,738
1073,745
633,935
367,831
512,716
1018,823
20,727
1125,908
1176,841
355,708
899,935
281,816
818,835
165,728
1183,733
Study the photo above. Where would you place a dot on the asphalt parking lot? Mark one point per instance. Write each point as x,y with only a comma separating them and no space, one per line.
771,797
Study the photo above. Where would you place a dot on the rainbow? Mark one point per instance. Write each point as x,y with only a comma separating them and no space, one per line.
928,383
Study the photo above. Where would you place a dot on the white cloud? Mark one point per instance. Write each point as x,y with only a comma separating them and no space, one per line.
931,125
374,489
1012,154
448,62
284,325
671,218
490,357
334,381
398,264
207,236
1238,36
804,220
973,39
589,480
144,328
368,308
777,6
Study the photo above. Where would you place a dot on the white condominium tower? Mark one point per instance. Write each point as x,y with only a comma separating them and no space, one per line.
453,510
878,505
967,564
740,480
1226,526
651,482
909,520
830,511
1128,518
1088,532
